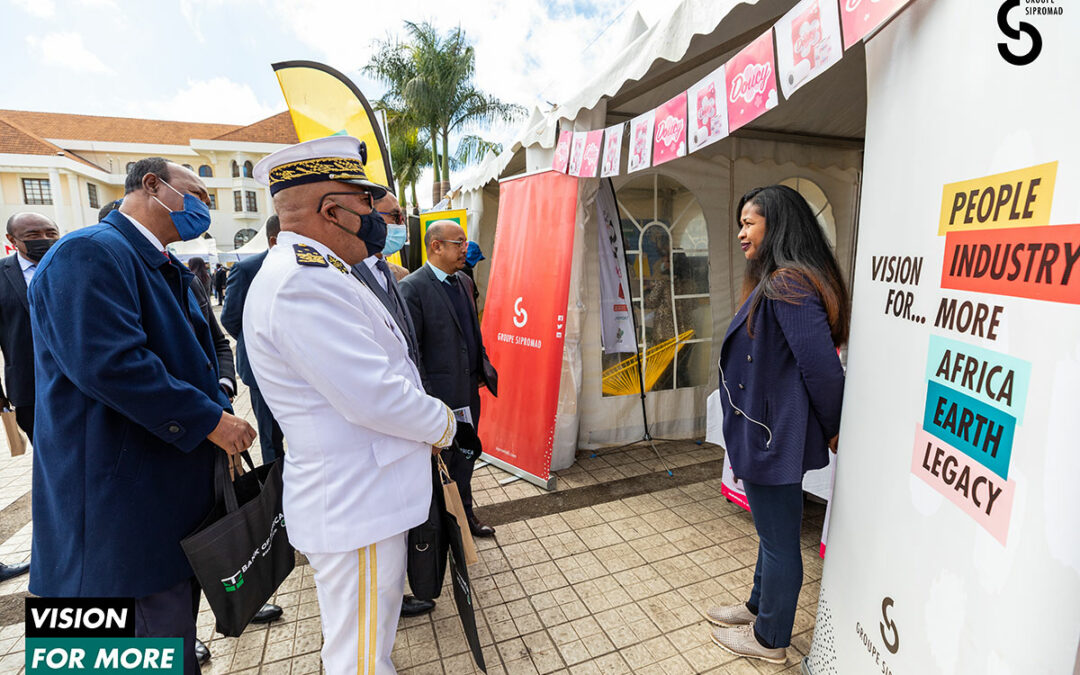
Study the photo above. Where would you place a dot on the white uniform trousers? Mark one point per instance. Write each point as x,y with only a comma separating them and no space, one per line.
360,596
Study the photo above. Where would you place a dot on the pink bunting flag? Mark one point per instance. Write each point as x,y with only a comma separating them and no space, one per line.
590,158
862,17
670,136
562,151
751,82
612,150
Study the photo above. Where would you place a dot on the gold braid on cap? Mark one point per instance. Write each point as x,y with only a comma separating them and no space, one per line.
325,168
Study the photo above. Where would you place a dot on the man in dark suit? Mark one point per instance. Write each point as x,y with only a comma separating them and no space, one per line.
375,273
32,234
439,297
220,278
271,439
137,420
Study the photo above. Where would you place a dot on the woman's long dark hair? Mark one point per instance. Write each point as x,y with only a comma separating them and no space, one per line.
198,267
794,258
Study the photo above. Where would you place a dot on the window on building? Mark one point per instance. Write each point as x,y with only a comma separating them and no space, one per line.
667,254
248,169
37,191
819,203
243,236
238,201
205,171
235,169
252,204
213,200
91,193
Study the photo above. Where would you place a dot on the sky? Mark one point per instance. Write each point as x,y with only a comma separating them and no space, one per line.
209,60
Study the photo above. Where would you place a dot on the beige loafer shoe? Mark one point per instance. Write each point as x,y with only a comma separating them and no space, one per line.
740,641
730,615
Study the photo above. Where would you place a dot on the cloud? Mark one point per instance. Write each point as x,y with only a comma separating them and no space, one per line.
44,9
526,50
66,50
215,100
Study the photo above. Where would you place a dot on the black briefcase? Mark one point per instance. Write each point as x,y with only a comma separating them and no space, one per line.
426,561
241,554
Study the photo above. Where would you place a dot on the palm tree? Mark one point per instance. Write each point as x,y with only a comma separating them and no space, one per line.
429,79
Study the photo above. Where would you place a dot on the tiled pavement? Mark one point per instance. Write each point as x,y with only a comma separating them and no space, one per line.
615,587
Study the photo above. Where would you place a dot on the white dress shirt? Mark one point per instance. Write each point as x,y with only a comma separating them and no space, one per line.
28,269
145,232
379,277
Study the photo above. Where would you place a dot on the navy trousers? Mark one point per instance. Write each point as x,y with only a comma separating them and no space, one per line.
778,576
271,438
171,613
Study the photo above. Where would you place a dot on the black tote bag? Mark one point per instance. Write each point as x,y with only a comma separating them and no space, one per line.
241,554
426,562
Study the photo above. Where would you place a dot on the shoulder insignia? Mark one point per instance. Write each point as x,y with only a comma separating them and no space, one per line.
338,264
308,255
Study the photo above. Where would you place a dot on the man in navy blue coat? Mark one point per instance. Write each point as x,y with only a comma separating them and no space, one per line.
131,417
271,438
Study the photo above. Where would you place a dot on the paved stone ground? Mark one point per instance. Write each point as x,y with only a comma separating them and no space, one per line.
617,586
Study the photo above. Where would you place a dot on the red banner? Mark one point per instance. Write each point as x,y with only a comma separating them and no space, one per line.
525,318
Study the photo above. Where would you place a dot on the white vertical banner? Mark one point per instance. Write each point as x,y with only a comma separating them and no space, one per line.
641,142
612,150
707,110
807,43
617,326
954,537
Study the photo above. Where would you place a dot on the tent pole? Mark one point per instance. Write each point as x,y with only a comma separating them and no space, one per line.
646,436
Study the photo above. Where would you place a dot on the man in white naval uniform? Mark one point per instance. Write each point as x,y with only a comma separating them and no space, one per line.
335,370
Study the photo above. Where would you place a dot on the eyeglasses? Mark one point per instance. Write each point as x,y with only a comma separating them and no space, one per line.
393,217
366,198
460,243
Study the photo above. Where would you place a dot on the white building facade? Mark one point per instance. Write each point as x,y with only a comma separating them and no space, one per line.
68,166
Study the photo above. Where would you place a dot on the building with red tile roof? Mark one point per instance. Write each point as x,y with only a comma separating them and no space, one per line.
68,166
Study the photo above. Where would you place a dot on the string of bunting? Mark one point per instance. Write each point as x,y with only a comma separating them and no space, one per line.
810,39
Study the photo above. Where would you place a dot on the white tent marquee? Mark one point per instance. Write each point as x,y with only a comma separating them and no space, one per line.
813,141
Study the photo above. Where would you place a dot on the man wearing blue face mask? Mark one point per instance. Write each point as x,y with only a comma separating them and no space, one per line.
127,369
378,274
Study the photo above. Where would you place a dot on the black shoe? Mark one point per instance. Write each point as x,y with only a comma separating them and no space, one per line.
202,653
479,529
412,606
267,614
12,571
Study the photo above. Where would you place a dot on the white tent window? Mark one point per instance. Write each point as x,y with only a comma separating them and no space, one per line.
819,203
667,249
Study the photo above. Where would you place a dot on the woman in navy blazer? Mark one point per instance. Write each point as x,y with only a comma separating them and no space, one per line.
781,386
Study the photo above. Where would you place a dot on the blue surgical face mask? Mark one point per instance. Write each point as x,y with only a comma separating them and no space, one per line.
193,220
396,235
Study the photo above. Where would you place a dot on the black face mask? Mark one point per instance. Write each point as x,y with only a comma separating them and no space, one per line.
36,248
372,230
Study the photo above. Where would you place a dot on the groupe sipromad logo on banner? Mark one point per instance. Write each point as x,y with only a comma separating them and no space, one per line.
94,635
1024,41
